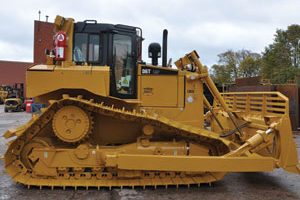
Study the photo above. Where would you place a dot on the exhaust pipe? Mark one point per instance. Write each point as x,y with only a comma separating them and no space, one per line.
165,48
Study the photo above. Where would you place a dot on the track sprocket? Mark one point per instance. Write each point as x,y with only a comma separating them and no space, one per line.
71,124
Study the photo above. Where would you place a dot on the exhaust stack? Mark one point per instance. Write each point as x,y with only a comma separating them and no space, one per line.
165,48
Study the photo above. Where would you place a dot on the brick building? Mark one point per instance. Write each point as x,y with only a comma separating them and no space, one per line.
15,72
43,39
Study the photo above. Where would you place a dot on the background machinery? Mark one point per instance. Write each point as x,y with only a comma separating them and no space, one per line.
113,120
14,100
4,91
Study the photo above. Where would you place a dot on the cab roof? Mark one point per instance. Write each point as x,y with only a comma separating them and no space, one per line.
91,26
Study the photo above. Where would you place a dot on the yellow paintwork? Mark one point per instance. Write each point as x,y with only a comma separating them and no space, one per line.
41,80
159,138
153,93
3,95
71,124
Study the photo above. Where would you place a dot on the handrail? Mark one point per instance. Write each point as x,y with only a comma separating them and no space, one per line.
263,103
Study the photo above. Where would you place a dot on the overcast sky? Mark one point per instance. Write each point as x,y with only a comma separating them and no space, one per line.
208,26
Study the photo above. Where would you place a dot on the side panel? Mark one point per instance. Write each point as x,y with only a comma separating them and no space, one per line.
159,90
42,81
168,93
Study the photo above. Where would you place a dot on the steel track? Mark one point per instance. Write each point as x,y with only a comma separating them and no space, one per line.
22,174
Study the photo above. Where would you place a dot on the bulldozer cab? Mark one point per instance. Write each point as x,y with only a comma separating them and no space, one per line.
117,46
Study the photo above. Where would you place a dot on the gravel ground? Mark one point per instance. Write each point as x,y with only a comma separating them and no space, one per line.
262,185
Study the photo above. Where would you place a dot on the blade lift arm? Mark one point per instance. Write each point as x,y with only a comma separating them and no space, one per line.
191,62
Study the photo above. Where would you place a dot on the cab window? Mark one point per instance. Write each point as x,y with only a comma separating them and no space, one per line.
94,48
80,47
124,64
86,48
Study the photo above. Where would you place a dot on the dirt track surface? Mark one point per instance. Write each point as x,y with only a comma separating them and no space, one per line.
261,185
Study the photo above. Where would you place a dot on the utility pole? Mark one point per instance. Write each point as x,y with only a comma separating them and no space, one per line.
297,55
39,15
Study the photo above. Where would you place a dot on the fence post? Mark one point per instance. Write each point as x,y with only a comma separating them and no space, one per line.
264,104
247,103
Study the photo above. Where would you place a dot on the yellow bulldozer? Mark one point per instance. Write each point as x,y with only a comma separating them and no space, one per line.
15,98
114,121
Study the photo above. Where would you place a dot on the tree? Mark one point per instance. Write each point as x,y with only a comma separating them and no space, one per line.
220,74
229,60
280,60
233,65
250,66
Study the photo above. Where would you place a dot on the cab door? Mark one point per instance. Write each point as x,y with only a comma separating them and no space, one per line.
123,69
